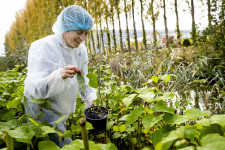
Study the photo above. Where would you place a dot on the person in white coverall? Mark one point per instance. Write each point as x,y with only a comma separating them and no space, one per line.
53,63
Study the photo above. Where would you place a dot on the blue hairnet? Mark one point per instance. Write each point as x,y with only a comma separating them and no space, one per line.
73,18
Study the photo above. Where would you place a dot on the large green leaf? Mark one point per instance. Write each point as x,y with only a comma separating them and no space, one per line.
172,136
22,134
61,118
194,114
8,115
165,78
81,82
212,142
93,80
161,106
13,103
190,131
109,146
134,115
147,96
213,128
219,119
38,101
47,145
46,130
128,100
147,120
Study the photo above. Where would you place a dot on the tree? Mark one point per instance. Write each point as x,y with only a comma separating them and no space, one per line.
126,10
118,11
143,25
165,23
177,22
134,25
193,28
154,16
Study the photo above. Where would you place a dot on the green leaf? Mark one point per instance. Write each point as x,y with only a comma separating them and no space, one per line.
38,101
147,96
157,137
189,132
8,115
213,128
109,124
168,95
35,122
47,145
172,136
13,103
194,114
211,142
147,121
60,119
122,128
116,128
155,79
81,82
219,119
134,115
109,146
20,91
46,130
22,134
93,80
8,140
165,78
161,106
128,100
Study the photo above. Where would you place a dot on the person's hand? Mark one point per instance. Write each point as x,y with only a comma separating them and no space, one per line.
69,71
93,105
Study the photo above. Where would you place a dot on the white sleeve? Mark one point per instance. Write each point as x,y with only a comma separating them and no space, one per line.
90,93
43,78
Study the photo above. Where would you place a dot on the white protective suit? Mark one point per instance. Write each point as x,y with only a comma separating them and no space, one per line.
47,57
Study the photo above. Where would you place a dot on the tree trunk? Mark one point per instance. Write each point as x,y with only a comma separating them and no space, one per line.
98,43
143,26
108,35
165,22
93,41
134,25
177,21
209,14
153,24
128,34
193,34
121,34
114,34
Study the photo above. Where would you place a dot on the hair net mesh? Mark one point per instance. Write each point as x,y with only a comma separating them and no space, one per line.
73,18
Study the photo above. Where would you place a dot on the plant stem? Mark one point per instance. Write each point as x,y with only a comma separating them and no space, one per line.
84,134
42,116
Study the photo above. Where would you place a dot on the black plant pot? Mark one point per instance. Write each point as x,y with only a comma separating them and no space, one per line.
97,116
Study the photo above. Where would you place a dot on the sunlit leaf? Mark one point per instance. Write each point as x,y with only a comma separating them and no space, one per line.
147,121
22,134
47,145
212,141
155,79
161,106
81,82
128,100
147,96
93,80
60,119
38,101
133,116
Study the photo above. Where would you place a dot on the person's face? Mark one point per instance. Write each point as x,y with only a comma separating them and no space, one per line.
73,38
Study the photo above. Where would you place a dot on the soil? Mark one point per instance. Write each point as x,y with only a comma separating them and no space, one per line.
96,112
